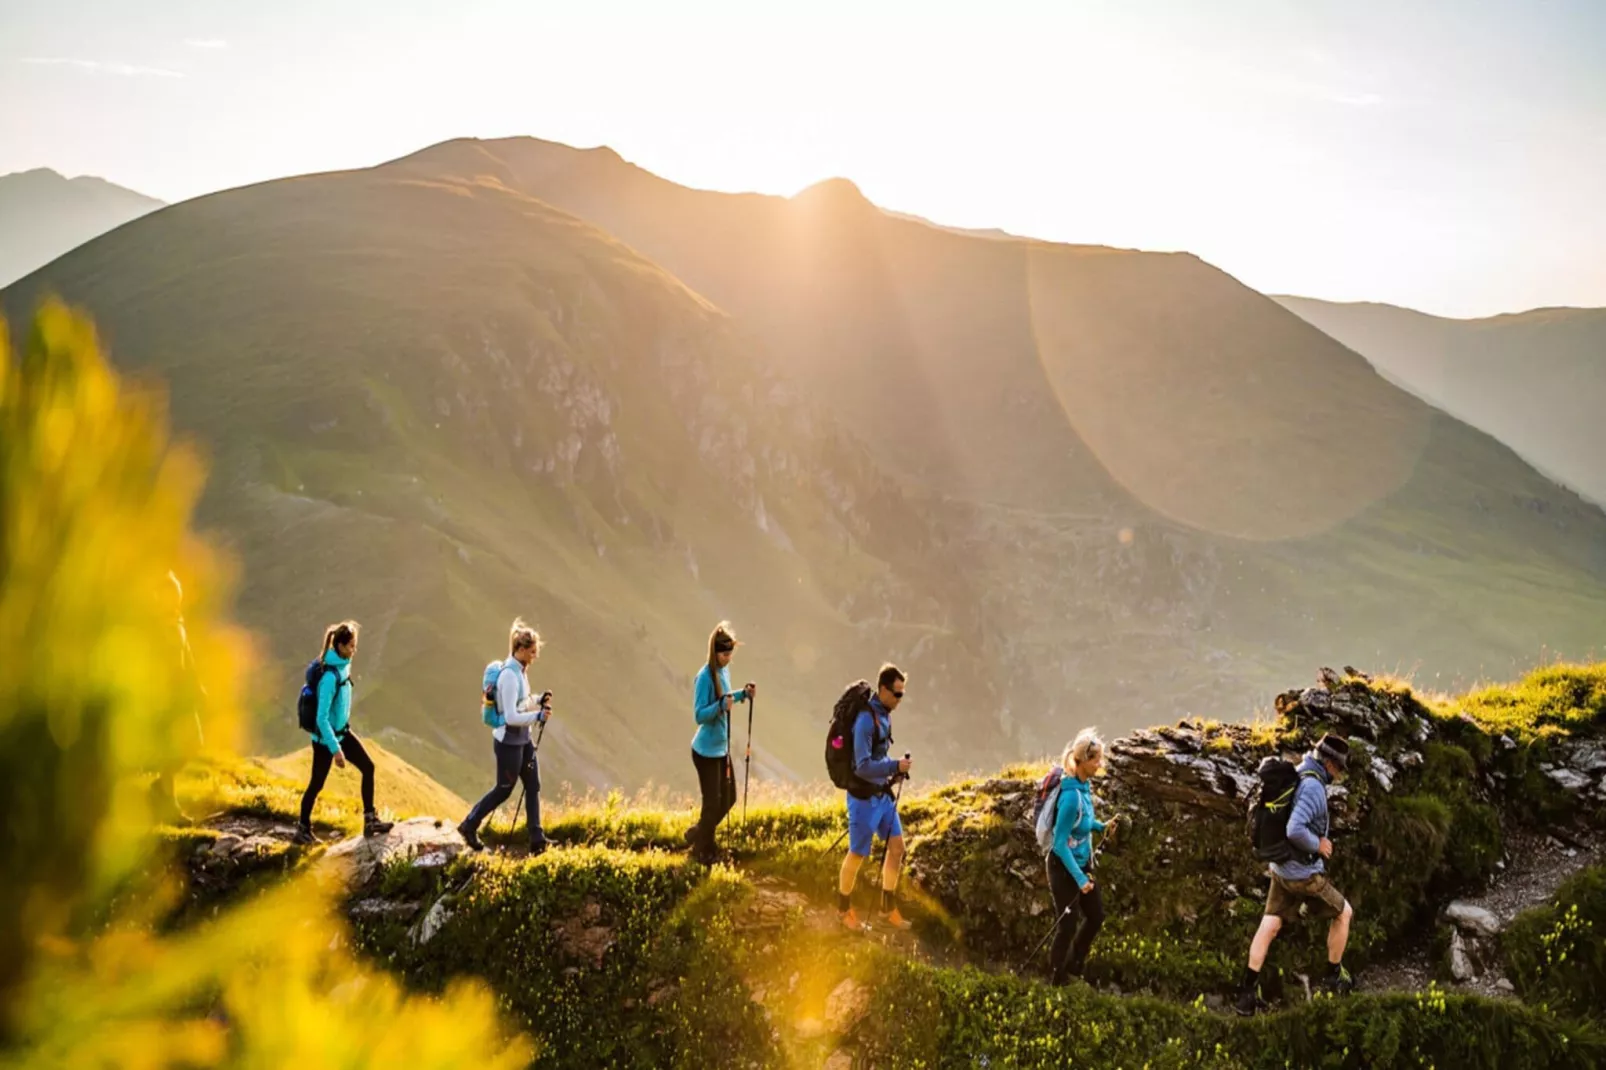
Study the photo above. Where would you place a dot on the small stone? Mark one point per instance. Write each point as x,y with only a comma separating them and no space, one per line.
1507,743
1505,985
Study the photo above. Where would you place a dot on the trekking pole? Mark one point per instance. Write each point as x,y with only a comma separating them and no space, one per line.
1062,915
1094,857
747,763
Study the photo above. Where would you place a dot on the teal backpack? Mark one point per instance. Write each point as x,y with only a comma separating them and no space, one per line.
489,712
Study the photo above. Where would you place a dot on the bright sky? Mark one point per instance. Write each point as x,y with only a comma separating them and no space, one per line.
1448,155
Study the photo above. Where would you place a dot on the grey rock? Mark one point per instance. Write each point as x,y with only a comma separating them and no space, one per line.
1461,967
1588,757
1471,918
1504,985
378,908
439,913
1383,773
361,860
1568,779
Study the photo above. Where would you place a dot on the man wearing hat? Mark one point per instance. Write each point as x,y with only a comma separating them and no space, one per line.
1303,878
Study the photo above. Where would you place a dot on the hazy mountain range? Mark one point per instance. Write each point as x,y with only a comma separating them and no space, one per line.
43,214
1061,484
1535,380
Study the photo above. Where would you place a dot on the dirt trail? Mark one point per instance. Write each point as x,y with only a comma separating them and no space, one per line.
1536,864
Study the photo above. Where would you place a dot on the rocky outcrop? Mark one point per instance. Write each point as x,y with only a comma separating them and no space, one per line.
425,842
1183,794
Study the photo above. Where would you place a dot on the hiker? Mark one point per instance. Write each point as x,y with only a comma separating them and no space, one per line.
333,741
1302,878
1070,862
515,709
712,700
872,810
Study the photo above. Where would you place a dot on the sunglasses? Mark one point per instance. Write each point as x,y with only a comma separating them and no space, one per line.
897,694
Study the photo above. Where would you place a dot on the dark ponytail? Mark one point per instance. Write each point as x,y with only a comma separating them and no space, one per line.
342,633
719,641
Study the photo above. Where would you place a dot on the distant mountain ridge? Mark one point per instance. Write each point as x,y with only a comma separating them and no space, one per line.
1535,380
44,214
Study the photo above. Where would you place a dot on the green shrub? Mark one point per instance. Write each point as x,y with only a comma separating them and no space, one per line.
1556,953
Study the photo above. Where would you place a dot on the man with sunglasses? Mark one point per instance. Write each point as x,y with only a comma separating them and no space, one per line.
872,809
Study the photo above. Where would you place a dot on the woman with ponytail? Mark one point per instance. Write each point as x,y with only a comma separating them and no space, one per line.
710,747
334,742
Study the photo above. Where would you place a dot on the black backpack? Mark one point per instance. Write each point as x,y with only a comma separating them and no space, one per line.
1270,804
307,703
839,740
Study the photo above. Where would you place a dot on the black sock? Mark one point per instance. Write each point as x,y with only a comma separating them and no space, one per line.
887,902
1334,969
844,903
1251,979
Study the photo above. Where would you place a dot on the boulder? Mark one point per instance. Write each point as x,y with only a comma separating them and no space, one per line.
361,860
1474,919
847,1004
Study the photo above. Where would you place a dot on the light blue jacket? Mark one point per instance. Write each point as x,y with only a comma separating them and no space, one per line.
334,701
1074,825
1307,823
712,739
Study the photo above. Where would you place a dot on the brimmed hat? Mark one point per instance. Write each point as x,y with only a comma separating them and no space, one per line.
1333,749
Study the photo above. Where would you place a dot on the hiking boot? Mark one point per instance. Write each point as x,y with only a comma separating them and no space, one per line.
470,837
850,920
1338,982
1249,1003
372,826
303,836
895,920
690,836
539,847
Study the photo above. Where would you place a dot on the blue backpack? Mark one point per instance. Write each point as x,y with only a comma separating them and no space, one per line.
307,702
490,713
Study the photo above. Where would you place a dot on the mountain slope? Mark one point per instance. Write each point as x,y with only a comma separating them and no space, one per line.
1162,483
1534,380
43,214
1059,484
435,405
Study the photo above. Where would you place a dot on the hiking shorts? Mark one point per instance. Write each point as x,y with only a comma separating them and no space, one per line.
1317,892
868,818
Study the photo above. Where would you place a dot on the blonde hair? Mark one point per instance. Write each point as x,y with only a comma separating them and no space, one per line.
522,635
1086,745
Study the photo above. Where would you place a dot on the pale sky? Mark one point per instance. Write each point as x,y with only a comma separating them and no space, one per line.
1448,156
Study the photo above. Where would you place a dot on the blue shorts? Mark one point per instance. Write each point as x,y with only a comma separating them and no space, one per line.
868,818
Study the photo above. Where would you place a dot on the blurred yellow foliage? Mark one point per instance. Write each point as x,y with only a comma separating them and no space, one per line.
96,695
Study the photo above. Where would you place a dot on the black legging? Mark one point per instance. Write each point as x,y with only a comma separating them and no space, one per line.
1068,957
322,759
718,785
515,762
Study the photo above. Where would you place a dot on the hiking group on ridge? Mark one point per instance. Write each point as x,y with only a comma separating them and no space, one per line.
1288,814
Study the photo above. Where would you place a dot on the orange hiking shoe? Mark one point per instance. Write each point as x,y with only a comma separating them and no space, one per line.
896,920
850,920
